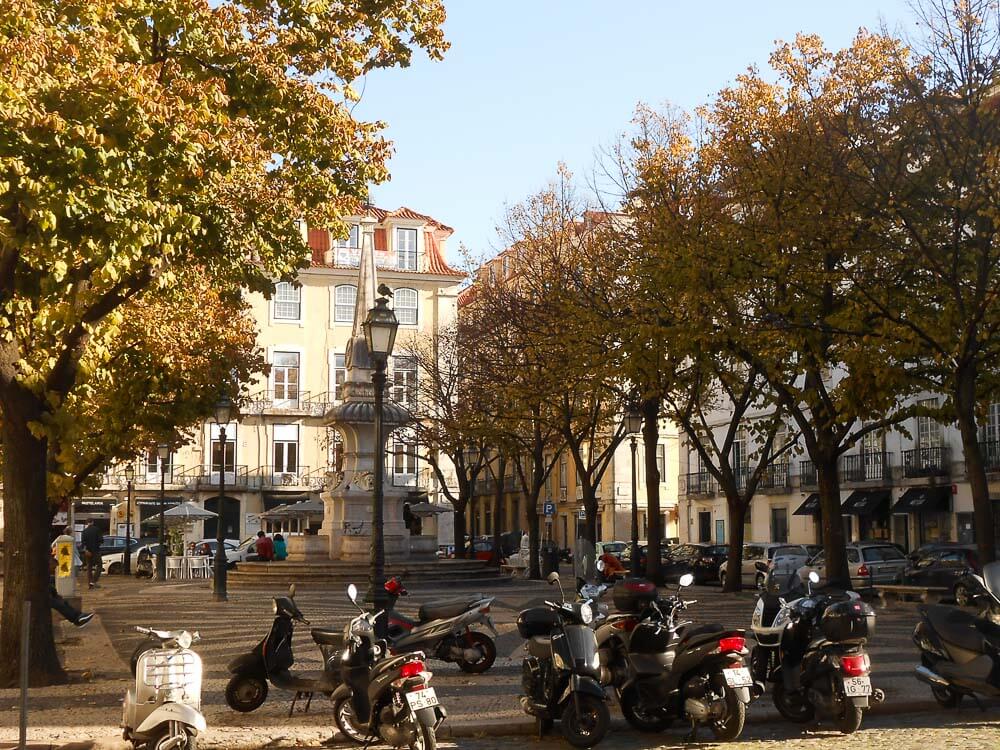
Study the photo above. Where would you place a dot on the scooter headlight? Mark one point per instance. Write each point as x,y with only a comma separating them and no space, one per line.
586,614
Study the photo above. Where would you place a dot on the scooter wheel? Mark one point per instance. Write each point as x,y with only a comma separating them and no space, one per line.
731,727
793,707
946,697
645,720
585,720
165,736
850,721
487,649
246,693
343,714
425,739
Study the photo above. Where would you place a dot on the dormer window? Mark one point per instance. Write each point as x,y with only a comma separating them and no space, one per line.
406,249
352,240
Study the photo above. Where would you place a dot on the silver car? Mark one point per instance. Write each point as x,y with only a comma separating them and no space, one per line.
758,557
869,564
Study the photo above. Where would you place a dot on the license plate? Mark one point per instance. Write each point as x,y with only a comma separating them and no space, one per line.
738,677
857,686
419,699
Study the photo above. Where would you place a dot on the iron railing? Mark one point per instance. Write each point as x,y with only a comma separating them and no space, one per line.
775,476
990,450
807,474
287,400
208,476
699,483
870,466
927,462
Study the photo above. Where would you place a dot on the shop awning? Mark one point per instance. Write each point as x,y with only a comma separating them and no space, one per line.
924,500
866,502
810,507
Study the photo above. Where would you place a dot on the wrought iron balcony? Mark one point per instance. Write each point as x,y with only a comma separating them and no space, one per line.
775,476
990,450
698,484
287,401
807,474
927,462
871,466
271,477
208,476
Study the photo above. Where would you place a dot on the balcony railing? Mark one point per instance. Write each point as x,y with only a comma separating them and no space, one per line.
872,466
208,477
287,400
990,451
927,462
807,474
143,477
699,483
293,478
775,476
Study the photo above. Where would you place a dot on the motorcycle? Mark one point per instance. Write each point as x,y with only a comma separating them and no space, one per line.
271,660
959,651
812,648
560,674
163,710
382,696
444,629
675,673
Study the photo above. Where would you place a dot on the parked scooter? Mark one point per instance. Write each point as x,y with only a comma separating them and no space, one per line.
271,660
697,675
444,629
163,710
812,648
384,697
561,672
960,652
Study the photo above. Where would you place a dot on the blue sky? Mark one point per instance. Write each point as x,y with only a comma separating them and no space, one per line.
529,83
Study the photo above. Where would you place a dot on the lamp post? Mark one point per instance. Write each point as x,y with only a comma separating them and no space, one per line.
163,451
127,559
380,333
223,415
633,425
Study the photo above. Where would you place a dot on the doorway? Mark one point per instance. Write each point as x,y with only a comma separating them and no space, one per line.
230,518
704,526
779,525
720,531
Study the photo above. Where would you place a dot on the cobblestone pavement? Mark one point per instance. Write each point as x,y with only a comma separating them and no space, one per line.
98,656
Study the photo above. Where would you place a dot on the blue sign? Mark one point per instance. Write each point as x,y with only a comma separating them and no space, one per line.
549,509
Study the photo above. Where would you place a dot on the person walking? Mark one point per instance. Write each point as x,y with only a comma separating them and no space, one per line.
265,547
280,548
92,539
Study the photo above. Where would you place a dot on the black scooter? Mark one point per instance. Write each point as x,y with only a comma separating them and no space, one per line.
960,652
698,675
384,697
561,674
271,660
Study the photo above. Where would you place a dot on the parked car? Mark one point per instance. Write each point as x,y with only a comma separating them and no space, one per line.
757,558
869,564
942,567
112,563
787,559
926,549
613,548
235,550
967,589
703,561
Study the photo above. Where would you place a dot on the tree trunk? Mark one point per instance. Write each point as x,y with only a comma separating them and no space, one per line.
591,508
734,562
975,470
835,554
654,532
460,526
27,518
497,508
534,542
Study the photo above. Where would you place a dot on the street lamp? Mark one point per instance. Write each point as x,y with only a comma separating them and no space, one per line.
127,559
380,333
223,414
633,425
163,451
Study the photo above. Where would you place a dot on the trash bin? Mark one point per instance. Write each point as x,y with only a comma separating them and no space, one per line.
550,559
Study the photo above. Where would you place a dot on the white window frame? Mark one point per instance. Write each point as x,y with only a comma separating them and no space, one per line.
293,292
405,463
286,401
353,240
408,315
929,431
338,375
348,317
404,393
406,257
285,435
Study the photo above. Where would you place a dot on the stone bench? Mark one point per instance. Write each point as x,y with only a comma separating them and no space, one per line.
899,592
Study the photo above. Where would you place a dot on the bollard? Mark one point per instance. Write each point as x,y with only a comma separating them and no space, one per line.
22,737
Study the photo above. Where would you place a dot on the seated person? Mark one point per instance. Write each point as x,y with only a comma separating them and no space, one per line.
265,547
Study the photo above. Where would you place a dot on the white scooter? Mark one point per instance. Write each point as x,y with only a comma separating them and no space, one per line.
163,711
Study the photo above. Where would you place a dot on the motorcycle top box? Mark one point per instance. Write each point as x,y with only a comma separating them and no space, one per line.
633,595
848,621
537,621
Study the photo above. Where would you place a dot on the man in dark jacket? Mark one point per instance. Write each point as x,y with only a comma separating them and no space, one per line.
92,538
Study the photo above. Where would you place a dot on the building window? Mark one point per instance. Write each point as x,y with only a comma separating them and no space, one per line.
223,454
493,275
287,301
506,266
286,448
562,472
351,240
404,381
990,433
339,376
406,249
928,430
661,461
404,460
285,369
335,442
153,465
405,306
344,297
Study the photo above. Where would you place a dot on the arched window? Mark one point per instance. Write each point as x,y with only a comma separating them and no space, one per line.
344,297
287,301
405,306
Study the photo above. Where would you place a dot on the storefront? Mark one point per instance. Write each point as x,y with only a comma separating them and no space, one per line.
872,510
930,509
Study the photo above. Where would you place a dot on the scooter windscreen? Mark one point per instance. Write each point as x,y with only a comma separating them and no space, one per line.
577,650
991,578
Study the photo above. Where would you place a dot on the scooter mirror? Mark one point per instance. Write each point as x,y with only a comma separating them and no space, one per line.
291,591
352,593
686,580
813,576
552,578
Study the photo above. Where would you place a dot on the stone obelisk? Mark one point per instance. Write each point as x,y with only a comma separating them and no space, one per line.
348,494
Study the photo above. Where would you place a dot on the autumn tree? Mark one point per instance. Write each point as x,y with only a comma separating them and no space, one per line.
139,139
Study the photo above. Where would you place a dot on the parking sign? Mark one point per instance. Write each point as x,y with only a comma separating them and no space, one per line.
549,509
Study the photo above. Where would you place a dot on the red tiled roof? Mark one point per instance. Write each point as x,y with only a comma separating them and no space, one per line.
435,258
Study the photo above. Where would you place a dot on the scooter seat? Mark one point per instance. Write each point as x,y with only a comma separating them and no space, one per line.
446,608
328,637
957,627
540,646
306,682
701,632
